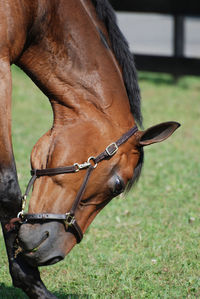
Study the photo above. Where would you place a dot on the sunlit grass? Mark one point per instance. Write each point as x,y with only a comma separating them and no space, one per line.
144,246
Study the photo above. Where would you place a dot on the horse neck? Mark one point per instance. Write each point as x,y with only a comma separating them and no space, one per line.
71,64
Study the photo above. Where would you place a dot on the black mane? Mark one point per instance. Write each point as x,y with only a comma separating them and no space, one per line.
123,55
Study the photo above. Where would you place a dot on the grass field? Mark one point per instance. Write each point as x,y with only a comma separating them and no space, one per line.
146,245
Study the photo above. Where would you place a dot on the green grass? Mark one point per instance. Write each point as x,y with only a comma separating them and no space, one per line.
146,245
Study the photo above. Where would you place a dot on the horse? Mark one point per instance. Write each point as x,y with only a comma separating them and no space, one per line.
75,53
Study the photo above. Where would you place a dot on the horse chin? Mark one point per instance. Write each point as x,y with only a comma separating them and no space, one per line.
38,260
44,244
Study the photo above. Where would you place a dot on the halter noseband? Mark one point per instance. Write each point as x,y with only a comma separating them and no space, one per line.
68,218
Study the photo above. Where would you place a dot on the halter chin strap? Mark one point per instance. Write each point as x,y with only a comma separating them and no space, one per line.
68,218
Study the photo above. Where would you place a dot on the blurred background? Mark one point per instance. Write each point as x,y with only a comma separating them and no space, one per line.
164,35
153,33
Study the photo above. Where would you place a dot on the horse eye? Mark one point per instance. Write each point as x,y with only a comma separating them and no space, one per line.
119,186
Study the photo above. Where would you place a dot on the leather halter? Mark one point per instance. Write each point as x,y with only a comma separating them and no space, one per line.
68,218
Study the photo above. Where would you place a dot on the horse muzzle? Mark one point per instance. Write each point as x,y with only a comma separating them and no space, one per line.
44,244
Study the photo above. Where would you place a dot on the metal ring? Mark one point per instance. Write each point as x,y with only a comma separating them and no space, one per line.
77,167
93,159
20,214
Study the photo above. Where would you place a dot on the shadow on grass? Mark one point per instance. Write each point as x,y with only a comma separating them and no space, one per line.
11,292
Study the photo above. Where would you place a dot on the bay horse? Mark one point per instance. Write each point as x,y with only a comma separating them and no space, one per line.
75,53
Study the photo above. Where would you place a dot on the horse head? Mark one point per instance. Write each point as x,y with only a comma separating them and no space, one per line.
94,151
46,240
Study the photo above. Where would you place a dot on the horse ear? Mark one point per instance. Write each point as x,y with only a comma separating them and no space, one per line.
157,133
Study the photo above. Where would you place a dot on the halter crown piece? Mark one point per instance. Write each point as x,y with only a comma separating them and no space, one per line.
68,218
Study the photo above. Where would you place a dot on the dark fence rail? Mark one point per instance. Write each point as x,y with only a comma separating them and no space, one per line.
173,7
177,64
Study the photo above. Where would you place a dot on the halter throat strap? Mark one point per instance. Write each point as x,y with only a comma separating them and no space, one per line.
68,218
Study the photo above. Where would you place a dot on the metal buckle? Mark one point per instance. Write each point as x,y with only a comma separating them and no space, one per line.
111,149
69,219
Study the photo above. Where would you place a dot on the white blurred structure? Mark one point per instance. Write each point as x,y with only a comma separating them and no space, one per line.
153,33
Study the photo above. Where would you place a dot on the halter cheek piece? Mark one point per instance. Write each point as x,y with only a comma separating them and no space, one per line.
68,218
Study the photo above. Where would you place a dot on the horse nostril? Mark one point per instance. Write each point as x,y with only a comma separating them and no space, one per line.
30,240
47,234
42,240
